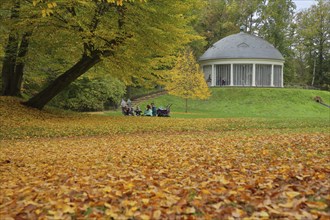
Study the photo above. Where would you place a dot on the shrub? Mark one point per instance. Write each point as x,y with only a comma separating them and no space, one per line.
87,94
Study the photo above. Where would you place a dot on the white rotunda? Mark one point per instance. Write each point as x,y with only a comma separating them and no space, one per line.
243,60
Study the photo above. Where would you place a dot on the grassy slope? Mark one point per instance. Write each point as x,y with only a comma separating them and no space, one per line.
251,102
17,121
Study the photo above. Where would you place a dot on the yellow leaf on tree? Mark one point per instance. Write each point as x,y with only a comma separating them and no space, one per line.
120,2
186,80
43,13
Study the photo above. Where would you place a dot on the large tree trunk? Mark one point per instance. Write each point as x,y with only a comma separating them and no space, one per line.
12,70
320,62
8,67
60,83
9,62
19,68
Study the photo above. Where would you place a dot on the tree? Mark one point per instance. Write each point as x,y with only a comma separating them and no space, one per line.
109,36
221,18
187,80
312,42
274,23
90,94
15,51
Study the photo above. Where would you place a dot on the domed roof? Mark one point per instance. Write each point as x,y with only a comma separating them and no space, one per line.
241,46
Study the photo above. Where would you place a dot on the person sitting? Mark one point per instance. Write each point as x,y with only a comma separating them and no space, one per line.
138,111
124,107
125,110
148,111
130,111
154,109
129,103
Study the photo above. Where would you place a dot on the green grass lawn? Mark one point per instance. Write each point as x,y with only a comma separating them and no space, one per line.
249,102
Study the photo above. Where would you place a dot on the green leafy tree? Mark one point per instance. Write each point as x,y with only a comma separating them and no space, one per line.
122,38
275,24
221,18
87,94
129,40
313,45
186,79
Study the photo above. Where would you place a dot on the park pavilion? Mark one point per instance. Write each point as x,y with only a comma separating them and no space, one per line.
243,60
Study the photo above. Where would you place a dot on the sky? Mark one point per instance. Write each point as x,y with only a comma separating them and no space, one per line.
304,4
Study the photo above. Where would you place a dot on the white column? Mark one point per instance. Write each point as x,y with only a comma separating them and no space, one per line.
213,76
282,76
254,75
272,77
231,74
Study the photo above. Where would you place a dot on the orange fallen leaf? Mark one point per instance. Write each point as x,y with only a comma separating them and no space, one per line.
157,214
190,210
317,205
292,194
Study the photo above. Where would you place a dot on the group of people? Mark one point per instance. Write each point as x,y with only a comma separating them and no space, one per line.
127,109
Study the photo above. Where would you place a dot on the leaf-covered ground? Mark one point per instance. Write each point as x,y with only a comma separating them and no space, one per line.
155,176
153,168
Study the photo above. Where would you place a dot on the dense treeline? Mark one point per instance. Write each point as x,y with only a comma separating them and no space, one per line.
47,45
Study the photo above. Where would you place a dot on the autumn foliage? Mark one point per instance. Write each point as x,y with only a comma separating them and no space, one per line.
160,168
186,80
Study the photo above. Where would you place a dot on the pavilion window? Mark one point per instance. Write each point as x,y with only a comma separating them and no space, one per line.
243,74
222,76
263,74
207,69
277,75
